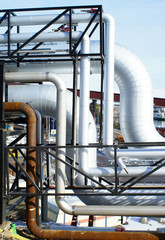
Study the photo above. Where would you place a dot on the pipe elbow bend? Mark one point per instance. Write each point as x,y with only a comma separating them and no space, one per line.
109,152
65,206
57,80
108,19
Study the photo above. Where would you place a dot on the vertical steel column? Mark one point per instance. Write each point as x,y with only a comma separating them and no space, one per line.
44,198
2,148
102,74
116,175
101,33
9,28
70,33
74,117
18,63
101,103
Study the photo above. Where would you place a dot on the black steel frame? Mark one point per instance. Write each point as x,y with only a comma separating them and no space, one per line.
113,187
3,168
73,55
15,56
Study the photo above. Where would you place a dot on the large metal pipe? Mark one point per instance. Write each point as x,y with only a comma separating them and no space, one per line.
30,20
136,98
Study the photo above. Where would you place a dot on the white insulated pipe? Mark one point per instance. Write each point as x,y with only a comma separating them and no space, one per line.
43,37
84,102
43,19
108,79
136,98
136,106
60,117
108,97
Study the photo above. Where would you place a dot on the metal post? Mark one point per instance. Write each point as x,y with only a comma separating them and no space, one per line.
116,176
101,108
70,33
2,148
9,28
44,198
74,114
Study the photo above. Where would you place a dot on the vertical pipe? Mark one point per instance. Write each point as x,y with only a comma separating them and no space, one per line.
39,169
74,116
31,153
61,139
84,101
109,79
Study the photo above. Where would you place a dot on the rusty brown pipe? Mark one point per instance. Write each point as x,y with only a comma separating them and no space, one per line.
31,200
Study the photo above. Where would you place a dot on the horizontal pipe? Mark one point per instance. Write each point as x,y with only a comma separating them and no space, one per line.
120,210
141,153
43,37
46,18
110,210
124,171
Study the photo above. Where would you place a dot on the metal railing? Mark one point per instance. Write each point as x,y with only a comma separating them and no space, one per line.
114,185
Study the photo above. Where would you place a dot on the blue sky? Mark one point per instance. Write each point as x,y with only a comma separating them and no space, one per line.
140,26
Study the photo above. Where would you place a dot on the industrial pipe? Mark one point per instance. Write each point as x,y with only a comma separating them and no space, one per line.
43,19
43,37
